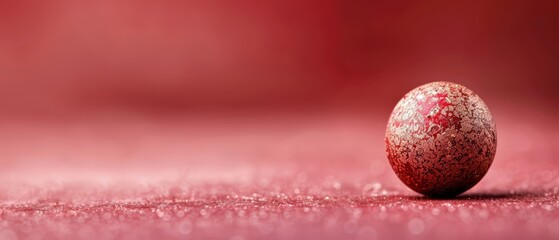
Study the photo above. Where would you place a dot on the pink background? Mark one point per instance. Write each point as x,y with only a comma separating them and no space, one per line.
168,57
116,102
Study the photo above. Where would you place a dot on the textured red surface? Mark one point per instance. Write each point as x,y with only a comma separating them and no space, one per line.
323,177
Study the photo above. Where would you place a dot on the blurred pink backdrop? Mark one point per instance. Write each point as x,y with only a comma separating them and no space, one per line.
213,85
140,103
59,58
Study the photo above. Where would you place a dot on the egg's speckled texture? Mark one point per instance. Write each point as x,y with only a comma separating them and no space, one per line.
441,139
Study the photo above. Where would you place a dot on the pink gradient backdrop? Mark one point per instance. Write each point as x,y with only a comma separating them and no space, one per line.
65,57
172,96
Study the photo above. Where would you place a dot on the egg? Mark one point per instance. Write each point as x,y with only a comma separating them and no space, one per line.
441,139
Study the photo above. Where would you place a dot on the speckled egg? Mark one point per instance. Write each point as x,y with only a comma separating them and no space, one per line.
441,139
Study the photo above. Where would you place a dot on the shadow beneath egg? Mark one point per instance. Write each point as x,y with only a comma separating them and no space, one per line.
483,196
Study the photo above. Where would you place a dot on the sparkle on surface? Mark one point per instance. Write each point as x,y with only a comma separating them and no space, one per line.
303,181
252,211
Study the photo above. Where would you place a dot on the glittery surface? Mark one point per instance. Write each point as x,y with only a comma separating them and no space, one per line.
325,177
441,139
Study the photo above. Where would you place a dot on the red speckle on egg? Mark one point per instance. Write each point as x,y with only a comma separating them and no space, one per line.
441,139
